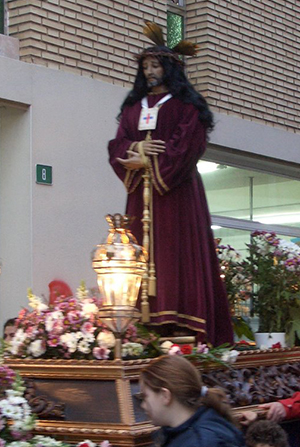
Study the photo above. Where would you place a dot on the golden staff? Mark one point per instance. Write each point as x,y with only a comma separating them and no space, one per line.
149,280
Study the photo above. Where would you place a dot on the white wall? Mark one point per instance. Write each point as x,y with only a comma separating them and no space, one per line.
15,208
250,136
53,229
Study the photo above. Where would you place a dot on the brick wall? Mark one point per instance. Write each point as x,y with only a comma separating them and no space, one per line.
249,60
248,64
95,38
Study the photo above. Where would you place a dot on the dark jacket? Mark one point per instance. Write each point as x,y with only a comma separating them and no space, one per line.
206,428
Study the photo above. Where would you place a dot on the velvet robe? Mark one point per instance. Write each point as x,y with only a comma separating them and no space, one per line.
190,292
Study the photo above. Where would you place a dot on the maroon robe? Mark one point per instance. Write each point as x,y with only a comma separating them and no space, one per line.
190,292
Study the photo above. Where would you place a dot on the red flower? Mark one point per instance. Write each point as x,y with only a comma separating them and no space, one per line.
276,345
243,342
186,349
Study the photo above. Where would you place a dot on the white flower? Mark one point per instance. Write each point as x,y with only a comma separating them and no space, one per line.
165,346
51,318
79,335
82,292
13,393
37,348
37,303
19,444
46,441
84,347
7,410
20,336
70,340
88,337
132,349
89,308
229,356
14,346
16,400
106,339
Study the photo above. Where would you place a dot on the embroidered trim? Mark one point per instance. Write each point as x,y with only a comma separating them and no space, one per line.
173,312
145,159
153,179
127,178
193,328
166,188
130,191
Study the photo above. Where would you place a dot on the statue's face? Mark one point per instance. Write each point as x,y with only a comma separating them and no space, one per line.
153,71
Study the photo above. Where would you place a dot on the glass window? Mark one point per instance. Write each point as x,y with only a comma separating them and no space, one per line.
251,195
174,29
178,2
1,16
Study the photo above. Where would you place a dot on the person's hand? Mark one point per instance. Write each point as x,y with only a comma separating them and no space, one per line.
133,162
247,417
276,411
154,147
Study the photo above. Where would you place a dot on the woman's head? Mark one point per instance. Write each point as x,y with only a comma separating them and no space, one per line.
177,375
172,379
168,382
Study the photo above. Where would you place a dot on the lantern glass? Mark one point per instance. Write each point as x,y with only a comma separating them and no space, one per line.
120,264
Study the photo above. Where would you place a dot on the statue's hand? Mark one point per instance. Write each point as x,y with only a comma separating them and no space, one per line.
154,147
133,162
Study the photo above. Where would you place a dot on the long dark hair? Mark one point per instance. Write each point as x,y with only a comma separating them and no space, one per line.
174,79
184,382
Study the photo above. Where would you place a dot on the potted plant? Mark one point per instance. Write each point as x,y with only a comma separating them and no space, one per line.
237,286
273,267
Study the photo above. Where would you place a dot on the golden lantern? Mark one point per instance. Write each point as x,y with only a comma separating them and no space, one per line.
120,264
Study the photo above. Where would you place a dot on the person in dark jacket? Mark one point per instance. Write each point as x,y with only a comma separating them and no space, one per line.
190,414
266,434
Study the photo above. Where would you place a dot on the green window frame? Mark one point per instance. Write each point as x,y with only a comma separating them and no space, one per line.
1,16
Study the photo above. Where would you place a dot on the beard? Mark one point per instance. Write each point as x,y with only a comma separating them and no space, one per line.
154,82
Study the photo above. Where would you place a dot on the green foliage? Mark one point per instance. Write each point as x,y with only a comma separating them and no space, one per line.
241,328
273,268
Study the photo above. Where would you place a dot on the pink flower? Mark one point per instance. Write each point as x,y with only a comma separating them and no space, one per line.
58,327
175,350
22,314
61,306
74,316
87,328
31,330
101,353
53,341
72,302
202,348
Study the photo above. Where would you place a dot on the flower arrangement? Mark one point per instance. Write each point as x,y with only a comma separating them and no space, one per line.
70,329
238,287
273,267
222,355
16,419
